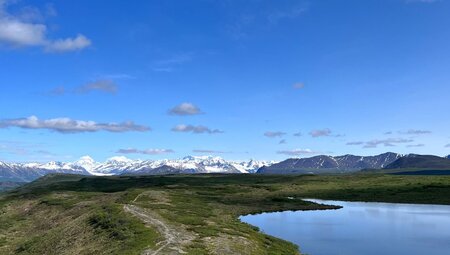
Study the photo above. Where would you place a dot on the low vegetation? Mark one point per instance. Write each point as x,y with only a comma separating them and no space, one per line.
195,214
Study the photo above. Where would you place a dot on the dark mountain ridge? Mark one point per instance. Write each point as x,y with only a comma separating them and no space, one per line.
330,164
420,161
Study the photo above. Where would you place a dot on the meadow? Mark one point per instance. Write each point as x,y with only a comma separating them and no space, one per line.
196,214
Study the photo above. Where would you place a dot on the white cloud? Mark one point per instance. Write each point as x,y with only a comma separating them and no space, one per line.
185,109
20,34
67,125
297,152
69,44
146,152
273,134
195,129
24,31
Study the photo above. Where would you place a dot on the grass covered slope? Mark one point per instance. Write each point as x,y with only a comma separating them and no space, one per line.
195,214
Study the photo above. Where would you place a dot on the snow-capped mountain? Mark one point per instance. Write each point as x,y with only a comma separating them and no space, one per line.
87,163
251,166
122,165
191,164
31,171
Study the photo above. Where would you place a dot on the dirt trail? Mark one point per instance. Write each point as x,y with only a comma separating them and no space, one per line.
174,237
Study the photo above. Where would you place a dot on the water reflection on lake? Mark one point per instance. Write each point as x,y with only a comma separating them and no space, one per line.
362,228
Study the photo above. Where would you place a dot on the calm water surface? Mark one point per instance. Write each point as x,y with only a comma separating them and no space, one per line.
362,228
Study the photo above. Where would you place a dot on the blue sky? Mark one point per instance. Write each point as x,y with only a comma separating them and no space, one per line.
239,79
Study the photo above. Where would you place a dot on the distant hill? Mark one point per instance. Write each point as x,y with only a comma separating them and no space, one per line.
421,162
328,164
4,186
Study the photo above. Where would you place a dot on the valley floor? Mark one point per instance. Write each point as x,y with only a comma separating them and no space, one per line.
194,214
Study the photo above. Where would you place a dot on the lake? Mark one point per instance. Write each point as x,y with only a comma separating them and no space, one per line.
362,228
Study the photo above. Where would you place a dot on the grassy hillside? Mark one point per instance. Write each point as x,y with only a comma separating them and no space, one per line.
196,214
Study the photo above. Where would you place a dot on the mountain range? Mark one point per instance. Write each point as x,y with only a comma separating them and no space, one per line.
386,163
322,164
25,172
330,164
421,162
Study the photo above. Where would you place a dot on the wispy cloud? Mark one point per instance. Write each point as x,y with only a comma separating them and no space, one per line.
297,152
298,85
146,151
422,1
107,86
58,91
355,143
210,151
25,149
447,146
103,85
415,132
242,24
25,30
415,145
386,142
273,134
320,132
176,59
163,69
118,76
67,125
282,141
298,134
195,129
168,64
388,133
17,148
277,15
238,28
185,109
323,132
